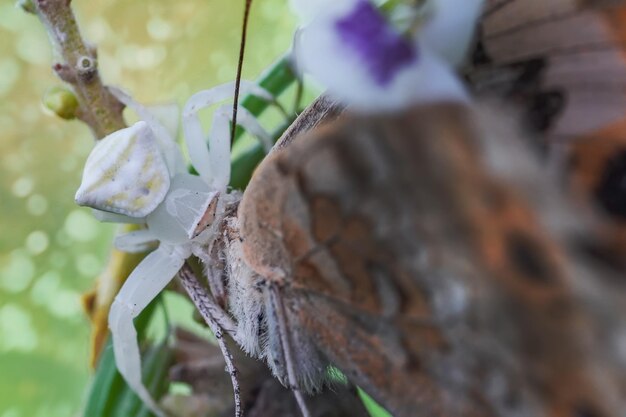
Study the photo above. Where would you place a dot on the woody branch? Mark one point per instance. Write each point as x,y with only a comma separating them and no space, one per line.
77,64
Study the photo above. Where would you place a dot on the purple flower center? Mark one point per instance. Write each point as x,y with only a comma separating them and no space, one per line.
383,51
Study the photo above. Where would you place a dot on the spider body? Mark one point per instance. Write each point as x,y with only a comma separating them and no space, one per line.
138,175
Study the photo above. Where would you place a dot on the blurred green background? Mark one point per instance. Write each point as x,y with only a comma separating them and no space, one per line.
51,250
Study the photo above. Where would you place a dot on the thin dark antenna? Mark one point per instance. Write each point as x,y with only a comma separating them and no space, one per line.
242,49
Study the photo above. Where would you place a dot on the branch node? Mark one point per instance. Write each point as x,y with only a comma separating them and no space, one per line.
65,73
86,67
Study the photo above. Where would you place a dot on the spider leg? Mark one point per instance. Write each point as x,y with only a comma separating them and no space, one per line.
247,120
136,241
219,142
142,286
108,217
219,147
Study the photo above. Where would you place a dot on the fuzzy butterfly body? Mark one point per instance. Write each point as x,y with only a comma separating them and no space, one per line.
413,254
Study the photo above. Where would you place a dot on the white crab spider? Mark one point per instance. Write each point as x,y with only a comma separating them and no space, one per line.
138,175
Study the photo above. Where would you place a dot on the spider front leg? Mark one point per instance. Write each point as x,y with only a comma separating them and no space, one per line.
137,241
147,280
213,164
219,141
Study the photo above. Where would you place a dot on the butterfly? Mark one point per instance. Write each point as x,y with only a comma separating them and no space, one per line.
564,64
200,365
424,254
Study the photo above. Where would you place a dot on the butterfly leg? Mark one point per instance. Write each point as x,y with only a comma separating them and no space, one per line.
142,286
286,349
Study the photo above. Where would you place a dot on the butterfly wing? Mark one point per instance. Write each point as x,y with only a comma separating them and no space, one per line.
563,60
400,259
564,63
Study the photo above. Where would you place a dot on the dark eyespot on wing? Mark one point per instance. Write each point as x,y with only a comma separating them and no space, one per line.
543,110
585,410
480,55
611,189
526,257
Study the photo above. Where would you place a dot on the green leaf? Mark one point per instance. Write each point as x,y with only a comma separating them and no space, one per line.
372,406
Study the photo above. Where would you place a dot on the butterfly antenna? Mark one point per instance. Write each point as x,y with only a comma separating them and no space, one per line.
242,49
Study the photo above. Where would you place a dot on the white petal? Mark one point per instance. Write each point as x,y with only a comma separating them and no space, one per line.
125,173
450,30
427,79
307,10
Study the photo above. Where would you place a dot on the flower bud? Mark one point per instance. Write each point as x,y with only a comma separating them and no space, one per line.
61,101
27,5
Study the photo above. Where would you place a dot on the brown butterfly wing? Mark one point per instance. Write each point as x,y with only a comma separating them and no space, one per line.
564,63
429,283
563,60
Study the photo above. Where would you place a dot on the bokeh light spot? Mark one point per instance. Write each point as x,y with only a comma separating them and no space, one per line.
159,29
10,70
65,304
98,30
45,286
23,186
16,329
30,48
37,242
17,273
57,259
13,412
88,265
81,226
37,204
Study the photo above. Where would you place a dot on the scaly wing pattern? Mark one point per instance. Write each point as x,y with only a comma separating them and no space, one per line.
400,257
